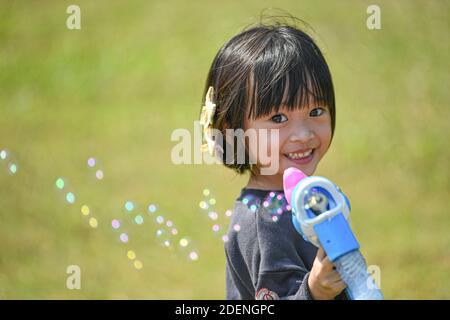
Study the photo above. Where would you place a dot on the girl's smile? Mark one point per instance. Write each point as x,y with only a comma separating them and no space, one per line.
300,156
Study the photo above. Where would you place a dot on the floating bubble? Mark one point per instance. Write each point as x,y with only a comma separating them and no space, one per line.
93,222
265,204
215,227
12,168
99,174
174,231
203,205
274,218
225,238
213,215
115,224
245,201
167,243
91,162
60,183
169,224
212,201
272,194
160,219
193,256
129,206
184,242
85,210
253,207
123,237
138,265
139,219
152,208
279,196
70,197
288,208
3,154
206,192
228,213
159,233
279,211
131,255
237,228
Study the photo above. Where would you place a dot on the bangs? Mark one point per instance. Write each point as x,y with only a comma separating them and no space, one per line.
290,73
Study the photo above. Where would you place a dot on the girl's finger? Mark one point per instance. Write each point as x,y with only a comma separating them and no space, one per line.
339,286
320,254
335,277
327,264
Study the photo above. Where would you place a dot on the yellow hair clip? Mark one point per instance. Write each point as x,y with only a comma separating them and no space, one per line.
206,120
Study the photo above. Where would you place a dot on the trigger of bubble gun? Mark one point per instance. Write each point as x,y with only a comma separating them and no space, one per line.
319,213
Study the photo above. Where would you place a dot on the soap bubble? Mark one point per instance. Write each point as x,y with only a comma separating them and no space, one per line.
123,237
129,206
213,215
193,256
91,162
203,205
138,265
159,233
131,255
99,174
160,219
115,224
139,219
184,242
70,197
12,168
93,222
85,210
60,183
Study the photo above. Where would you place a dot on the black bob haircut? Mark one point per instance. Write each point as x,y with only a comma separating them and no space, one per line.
262,69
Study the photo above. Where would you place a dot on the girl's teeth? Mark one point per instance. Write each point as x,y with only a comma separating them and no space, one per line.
299,155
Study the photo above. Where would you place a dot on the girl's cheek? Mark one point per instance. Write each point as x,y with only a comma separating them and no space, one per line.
325,138
268,147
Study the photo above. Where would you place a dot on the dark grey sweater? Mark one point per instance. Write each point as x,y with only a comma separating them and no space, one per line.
266,257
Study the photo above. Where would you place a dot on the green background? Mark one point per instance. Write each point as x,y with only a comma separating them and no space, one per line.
116,89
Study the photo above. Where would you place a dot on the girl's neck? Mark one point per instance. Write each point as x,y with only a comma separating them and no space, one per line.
265,182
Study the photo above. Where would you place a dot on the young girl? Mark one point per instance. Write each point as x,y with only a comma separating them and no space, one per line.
272,77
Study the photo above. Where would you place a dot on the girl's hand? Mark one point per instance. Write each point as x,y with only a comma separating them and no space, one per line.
324,281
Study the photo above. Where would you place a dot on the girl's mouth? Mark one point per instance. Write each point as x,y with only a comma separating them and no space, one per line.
300,157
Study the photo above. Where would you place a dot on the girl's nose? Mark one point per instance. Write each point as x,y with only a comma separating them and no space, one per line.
303,135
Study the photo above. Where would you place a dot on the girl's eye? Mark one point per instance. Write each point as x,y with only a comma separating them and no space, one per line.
279,118
316,112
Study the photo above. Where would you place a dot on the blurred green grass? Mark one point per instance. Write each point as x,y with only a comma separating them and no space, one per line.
118,87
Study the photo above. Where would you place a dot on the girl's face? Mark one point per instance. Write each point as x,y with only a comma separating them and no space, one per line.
304,138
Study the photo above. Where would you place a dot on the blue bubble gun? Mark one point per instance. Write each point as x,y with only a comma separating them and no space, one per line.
319,213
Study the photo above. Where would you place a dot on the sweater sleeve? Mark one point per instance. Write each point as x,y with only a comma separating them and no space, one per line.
265,259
